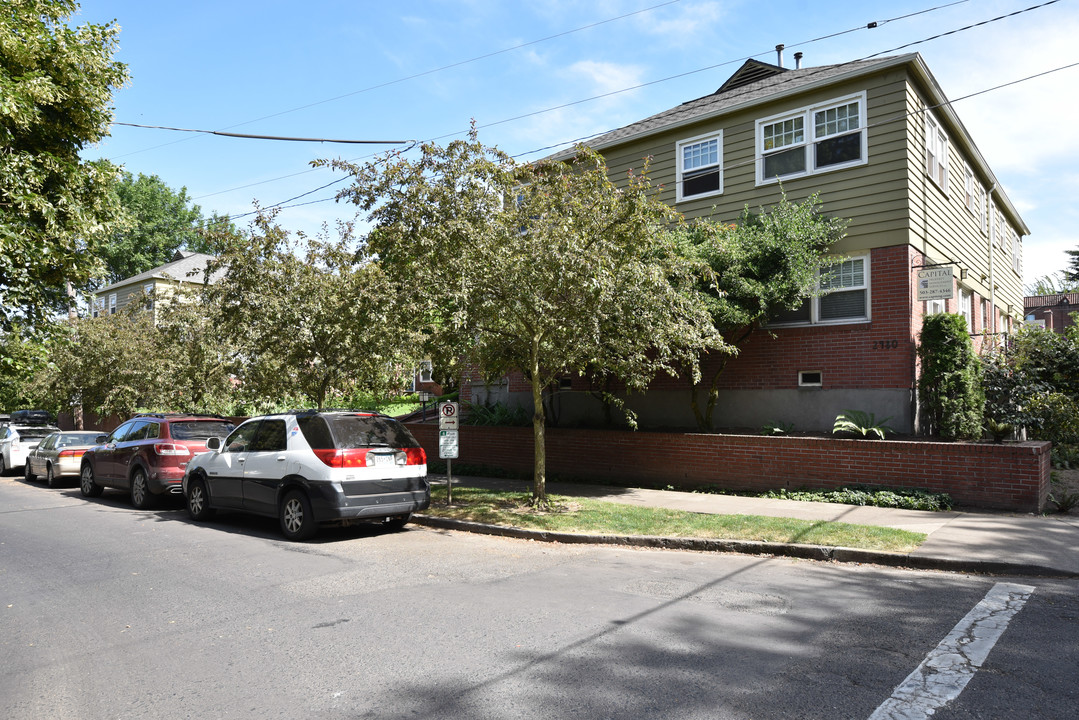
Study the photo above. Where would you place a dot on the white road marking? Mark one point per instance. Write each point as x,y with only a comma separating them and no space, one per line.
950,666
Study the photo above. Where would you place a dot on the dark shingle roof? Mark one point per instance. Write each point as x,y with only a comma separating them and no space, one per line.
736,92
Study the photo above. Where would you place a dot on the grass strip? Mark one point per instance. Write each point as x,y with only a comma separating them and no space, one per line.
596,517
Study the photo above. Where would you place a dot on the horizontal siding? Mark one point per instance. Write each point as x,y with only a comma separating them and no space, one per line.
871,196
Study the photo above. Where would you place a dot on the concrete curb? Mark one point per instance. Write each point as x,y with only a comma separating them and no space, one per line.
753,547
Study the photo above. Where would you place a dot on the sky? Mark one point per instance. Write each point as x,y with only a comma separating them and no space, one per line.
537,75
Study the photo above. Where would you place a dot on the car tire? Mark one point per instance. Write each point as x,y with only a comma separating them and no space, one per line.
27,475
50,476
141,497
87,485
397,522
3,465
297,520
198,501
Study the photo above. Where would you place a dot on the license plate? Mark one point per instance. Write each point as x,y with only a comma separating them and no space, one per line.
382,459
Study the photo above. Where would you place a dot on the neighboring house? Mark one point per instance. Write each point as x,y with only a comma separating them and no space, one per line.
185,269
879,142
1052,312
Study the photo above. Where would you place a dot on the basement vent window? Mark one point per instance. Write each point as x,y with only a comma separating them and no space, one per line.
810,378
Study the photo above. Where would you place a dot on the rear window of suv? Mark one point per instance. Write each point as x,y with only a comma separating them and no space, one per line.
33,433
199,429
347,432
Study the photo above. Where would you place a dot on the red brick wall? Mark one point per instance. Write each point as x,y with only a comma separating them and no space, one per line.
1013,476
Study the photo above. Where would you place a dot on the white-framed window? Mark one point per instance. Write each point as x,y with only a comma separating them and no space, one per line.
985,315
148,290
844,296
998,226
810,378
112,303
814,139
934,307
1017,254
700,166
936,152
966,307
97,306
971,188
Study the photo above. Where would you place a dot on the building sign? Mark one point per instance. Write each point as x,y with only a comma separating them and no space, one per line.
936,283
448,444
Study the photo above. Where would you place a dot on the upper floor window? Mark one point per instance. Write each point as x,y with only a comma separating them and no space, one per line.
844,296
112,303
1017,253
936,152
812,139
972,188
700,166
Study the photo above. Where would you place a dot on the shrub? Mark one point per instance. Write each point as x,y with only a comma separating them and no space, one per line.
861,423
950,388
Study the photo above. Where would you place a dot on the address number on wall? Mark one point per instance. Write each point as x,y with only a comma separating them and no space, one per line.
885,344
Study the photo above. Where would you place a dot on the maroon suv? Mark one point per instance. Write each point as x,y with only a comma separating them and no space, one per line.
148,454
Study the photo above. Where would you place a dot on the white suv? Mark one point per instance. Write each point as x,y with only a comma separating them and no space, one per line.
16,442
312,467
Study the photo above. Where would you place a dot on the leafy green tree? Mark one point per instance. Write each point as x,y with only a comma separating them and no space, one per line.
309,316
56,85
1053,284
949,388
158,221
545,268
21,358
751,271
1071,274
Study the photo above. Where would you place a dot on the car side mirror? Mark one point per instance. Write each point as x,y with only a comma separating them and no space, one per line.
100,440
213,443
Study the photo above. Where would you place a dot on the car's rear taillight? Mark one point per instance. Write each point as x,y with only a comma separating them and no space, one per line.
416,456
170,449
16,445
72,453
342,458
364,457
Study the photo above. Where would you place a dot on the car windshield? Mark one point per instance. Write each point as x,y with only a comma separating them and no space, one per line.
346,432
89,438
200,429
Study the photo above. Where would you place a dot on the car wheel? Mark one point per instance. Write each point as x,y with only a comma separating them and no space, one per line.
27,474
395,523
50,476
87,485
198,501
141,497
297,521
3,465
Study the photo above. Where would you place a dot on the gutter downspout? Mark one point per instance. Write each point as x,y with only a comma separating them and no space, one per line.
992,273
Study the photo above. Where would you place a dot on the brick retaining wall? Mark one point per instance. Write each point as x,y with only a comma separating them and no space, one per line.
1012,476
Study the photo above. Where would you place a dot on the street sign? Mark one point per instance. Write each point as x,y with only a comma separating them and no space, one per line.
448,419
448,444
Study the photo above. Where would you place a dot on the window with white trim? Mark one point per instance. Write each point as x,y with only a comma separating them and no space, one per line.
936,152
844,296
934,307
985,315
1017,254
700,166
998,226
112,303
830,136
971,187
966,300
98,305
148,290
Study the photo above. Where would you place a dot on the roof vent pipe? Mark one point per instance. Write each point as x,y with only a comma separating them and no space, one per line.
779,53
797,61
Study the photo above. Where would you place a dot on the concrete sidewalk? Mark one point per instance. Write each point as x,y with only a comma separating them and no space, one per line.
980,542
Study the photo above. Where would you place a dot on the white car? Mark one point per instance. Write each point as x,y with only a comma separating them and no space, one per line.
59,456
312,467
16,442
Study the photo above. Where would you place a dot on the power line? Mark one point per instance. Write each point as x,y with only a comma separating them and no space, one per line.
266,137
416,75
729,62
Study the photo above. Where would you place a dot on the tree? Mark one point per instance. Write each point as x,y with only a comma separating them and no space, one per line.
545,268
56,86
309,316
157,222
1053,284
21,358
1071,274
752,271
950,388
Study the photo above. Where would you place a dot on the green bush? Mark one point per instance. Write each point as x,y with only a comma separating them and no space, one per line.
858,495
1054,416
497,414
950,389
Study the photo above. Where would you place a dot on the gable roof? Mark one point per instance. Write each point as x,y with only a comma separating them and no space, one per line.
184,267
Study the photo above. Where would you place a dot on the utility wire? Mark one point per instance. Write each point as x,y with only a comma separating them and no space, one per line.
870,25
409,77
745,92
267,137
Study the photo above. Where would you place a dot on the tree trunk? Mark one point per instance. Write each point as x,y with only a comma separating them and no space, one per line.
539,476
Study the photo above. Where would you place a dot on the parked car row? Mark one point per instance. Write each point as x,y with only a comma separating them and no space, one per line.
306,467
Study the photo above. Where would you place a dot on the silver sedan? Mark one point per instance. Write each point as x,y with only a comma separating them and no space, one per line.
59,456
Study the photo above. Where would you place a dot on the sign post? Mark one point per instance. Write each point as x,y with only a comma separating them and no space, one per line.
448,441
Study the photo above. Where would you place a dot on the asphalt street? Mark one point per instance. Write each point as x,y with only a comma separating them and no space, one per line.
106,611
